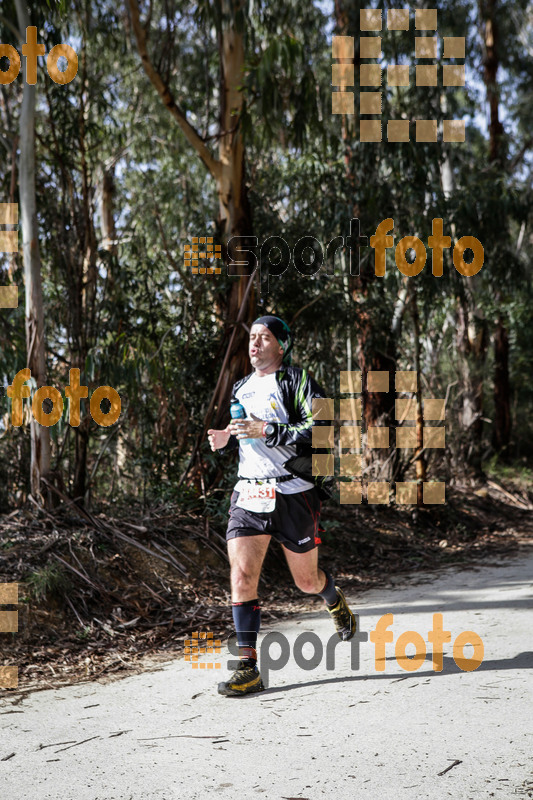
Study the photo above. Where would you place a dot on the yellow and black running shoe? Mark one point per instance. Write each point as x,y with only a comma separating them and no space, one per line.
343,618
245,680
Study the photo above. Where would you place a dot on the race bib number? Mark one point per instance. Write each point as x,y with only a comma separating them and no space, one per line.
258,496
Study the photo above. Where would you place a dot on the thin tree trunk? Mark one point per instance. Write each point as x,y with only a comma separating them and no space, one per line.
107,216
109,244
347,24
378,407
501,432
472,337
228,171
491,63
419,458
375,345
35,343
235,215
471,332
84,323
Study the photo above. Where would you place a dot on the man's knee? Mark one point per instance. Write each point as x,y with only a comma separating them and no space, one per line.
307,583
243,576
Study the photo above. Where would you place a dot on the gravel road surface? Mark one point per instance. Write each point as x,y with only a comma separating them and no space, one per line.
345,732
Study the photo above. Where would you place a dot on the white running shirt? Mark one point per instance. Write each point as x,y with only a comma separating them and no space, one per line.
262,396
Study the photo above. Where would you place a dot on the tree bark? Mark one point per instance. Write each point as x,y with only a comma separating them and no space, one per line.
109,243
501,432
419,457
35,342
235,215
472,339
107,216
488,10
491,63
378,407
375,344
228,171
84,321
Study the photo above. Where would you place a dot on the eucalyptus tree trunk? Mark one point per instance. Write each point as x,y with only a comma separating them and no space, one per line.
228,172
108,234
35,343
491,63
501,430
235,215
107,218
419,457
472,339
376,348
84,295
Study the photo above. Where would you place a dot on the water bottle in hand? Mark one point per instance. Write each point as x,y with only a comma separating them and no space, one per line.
237,412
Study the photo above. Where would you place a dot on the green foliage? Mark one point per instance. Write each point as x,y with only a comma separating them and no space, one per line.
50,581
155,332
519,473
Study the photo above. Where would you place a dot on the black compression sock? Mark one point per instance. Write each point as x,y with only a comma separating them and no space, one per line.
247,620
329,593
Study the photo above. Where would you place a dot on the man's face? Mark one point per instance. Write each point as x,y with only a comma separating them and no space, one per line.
264,349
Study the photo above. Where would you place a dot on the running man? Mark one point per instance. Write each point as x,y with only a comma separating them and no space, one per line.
269,500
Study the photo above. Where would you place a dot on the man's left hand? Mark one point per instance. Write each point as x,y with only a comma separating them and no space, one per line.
247,428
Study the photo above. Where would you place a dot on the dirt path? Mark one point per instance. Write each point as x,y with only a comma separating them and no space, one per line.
340,733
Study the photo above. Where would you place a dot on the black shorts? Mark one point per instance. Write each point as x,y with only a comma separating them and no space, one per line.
294,521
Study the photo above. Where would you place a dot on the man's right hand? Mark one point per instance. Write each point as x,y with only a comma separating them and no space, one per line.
218,439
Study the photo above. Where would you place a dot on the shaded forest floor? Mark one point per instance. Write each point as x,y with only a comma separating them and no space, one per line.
102,596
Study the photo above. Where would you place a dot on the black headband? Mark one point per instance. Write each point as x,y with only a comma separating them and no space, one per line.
281,331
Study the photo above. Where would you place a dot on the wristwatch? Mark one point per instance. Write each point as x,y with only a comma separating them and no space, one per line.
268,429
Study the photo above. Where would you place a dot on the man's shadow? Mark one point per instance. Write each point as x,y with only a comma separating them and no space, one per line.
521,661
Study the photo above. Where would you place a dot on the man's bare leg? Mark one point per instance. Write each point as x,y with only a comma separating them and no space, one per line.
311,579
246,556
305,571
